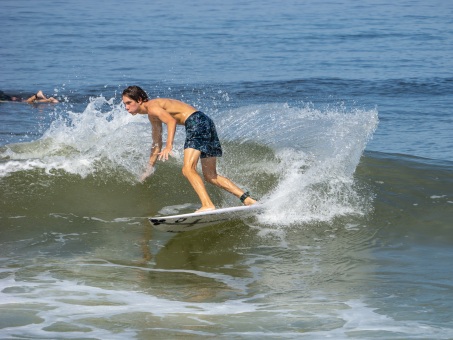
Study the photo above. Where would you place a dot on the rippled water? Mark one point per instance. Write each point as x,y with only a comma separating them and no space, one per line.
336,115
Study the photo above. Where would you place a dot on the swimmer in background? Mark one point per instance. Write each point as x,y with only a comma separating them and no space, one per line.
201,142
39,97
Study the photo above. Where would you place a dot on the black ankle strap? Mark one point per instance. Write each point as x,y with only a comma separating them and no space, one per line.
244,196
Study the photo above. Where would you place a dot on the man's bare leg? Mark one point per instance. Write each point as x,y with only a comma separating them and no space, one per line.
189,170
209,167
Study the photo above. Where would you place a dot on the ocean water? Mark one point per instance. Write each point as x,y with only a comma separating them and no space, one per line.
336,115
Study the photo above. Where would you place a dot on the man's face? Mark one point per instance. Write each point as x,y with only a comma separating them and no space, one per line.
131,105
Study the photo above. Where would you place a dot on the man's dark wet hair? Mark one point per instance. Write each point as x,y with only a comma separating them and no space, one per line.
5,97
136,93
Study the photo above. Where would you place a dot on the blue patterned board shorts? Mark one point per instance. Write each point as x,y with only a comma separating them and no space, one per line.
202,135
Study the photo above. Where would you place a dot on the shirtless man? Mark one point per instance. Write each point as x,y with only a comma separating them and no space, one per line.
201,142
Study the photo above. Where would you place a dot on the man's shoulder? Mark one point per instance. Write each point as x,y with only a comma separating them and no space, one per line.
155,101
154,104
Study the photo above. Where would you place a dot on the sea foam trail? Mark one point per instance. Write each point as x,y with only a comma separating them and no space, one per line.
82,142
316,151
313,152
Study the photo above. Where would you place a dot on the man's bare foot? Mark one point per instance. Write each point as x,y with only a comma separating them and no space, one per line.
246,199
205,209
40,95
249,201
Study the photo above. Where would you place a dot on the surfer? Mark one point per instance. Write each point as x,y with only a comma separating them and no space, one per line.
201,142
39,97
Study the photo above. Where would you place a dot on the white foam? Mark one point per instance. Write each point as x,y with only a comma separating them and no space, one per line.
90,309
317,153
73,302
360,318
80,143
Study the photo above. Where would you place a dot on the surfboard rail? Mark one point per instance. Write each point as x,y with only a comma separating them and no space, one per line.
196,220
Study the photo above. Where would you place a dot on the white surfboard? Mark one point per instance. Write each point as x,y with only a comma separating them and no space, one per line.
186,222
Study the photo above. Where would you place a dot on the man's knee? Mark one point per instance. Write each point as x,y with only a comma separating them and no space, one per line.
187,171
210,177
